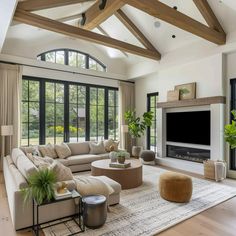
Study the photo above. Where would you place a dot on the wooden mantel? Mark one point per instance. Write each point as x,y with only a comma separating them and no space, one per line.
193,102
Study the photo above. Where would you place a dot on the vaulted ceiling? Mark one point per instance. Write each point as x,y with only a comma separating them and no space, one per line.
144,28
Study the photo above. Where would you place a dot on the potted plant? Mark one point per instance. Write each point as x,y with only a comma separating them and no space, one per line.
137,127
230,131
41,186
121,157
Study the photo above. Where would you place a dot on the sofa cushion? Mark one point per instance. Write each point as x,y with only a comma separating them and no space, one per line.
62,150
82,159
97,148
31,149
40,162
111,145
24,165
79,148
48,150
104,156
62,172
65,162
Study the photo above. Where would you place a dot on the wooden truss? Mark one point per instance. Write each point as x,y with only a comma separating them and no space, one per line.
101,10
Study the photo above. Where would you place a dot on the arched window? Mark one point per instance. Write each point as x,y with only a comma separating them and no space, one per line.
72,58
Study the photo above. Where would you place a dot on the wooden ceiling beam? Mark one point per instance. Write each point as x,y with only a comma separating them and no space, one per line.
36,5
72,31
134,29
209,16
99,12
163,12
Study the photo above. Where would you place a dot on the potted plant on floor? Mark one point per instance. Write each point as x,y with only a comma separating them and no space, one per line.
41,186
137,127
230,131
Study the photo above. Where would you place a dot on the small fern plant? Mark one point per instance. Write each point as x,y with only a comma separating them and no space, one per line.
41,186
230,131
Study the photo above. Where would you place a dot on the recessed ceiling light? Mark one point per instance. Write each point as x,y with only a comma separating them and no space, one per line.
157,24
173,36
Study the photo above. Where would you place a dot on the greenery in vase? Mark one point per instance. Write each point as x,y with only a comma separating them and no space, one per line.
41,186
230,131
138,125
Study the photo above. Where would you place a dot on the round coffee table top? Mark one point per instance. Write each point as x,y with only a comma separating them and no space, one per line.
104,164
130,177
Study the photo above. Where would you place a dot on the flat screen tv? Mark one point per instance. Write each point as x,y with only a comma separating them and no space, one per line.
189,127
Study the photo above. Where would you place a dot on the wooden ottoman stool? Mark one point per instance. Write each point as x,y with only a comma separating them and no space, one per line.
175,187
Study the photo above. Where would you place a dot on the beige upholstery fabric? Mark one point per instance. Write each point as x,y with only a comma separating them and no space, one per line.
40,162
62,150
31,149
90,186
62,172
23,164
103,156
82,159
65,162
18,177
10,102
97,148
9,160
48,150
79,148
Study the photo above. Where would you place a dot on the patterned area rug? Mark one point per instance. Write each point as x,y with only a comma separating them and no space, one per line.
143,212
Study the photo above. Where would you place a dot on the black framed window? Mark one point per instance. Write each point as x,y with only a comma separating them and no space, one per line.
152,131
57,111
72,58
54,112
233,107
77,113
30,107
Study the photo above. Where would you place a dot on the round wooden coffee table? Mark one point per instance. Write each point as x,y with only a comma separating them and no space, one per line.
130,177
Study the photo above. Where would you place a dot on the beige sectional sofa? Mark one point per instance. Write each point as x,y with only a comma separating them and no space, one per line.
16,168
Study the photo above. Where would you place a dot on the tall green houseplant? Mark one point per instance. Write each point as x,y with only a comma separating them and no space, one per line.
230,131
137,126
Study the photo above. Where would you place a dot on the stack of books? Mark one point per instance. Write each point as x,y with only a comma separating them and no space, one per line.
62,194
119,165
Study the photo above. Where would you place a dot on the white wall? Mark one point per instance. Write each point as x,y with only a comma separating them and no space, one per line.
30,49
207,72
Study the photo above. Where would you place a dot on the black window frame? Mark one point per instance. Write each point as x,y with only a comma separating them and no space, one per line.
232,153
149,96
42,108
42,57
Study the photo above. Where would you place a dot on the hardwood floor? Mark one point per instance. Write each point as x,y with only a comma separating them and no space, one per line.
217,221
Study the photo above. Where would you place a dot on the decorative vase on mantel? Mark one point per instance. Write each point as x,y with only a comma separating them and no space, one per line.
136,151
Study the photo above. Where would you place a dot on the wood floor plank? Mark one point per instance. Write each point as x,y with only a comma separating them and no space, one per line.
216,221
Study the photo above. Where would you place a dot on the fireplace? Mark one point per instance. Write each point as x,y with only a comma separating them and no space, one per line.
189,154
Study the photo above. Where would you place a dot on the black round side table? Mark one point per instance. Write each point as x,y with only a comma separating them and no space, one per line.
94,211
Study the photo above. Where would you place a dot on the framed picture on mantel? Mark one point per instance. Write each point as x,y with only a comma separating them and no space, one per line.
186,91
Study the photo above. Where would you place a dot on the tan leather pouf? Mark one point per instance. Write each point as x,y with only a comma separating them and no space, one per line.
175,187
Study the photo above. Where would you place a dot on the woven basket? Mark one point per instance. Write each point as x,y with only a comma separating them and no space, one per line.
209,169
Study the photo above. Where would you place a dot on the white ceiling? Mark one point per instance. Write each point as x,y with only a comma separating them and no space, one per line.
161,37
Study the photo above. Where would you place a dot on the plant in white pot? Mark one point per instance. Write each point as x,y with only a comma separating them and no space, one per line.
137,127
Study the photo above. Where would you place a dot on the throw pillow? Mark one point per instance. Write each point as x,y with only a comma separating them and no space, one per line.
40,162
63,150
62,172
115,146
31,149
97,148
48,150
107,144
